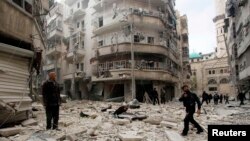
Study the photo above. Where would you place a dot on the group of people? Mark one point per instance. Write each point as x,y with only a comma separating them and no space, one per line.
163,96
217,98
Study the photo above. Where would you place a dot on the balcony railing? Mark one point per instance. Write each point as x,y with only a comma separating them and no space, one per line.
139,65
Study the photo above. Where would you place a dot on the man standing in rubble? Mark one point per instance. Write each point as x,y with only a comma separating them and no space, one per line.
155,97
51,101
189,100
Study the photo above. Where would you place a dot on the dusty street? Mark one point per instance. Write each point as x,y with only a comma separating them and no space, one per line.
164,122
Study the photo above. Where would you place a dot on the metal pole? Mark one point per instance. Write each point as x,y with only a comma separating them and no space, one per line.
132,61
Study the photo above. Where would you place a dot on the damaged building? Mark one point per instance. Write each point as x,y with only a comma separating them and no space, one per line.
138,41
21,45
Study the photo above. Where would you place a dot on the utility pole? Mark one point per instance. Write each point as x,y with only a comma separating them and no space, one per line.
132,61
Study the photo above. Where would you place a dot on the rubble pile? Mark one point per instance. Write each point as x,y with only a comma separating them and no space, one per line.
94,121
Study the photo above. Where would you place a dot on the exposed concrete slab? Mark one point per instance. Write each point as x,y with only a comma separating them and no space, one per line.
126,137
29,122
121,121
168,124
6,132
174,136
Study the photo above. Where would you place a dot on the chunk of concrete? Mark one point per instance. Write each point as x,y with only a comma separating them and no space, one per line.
71,137
4,139
168,124
153,120
6,132
29,122
174,136
121,121
127,137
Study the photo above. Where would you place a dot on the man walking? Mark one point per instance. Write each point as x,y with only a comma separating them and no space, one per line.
204,97
51,101
226,99
216,98
241,97
189,100
155,97
163,96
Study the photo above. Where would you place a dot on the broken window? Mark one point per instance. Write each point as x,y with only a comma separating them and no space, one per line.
71,11
212,81
213,71
77,66
100,21
82,25
28,7
209,72
78,5
150,40
100,43
81,66
77,25
82,44
18,2
136,38
221,71
212,88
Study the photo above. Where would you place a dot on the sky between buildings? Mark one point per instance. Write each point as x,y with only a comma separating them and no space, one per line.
200,13
202,35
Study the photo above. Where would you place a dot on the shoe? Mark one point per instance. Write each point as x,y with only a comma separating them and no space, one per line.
199,131
184,134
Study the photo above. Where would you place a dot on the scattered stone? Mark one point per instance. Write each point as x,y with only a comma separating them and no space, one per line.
29,122
60,137
153,120
6,132
168,124
71,137
105,109
4,139
121,121
127,137
174,136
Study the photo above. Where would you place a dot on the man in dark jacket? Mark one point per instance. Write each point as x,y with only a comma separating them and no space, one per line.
241,97
51,101
216,98
155,97
204,97
189,100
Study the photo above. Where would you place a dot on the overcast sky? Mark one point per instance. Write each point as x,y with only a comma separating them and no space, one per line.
202,36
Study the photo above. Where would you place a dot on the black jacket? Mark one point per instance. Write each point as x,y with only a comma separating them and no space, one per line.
190,101
51,93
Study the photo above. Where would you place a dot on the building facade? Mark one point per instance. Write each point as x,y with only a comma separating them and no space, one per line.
21,45
135,49
237,24
76,64
53,54
210,74
213,68
182,24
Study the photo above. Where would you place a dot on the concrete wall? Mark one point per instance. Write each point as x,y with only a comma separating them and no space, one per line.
15,21
202,69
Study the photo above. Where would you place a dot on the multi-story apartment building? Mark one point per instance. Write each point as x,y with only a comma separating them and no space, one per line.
182,23
237,24
21,42
135,48
76,67
53,54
